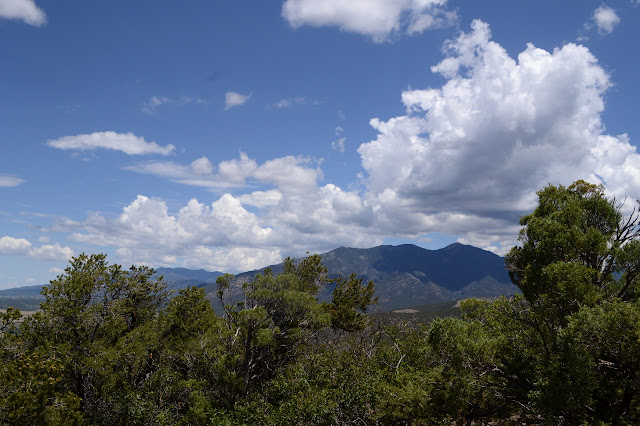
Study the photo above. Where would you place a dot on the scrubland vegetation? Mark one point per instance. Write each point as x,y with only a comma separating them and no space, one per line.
110,346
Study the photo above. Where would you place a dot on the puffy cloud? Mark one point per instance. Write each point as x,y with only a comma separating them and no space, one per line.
322,219
233,99
21,247
236,258
289,174
237,170
26,10
14,246
125,142
202,166
375,18
52,252
226,236
55,271
10,181
146,232
470,155
606,19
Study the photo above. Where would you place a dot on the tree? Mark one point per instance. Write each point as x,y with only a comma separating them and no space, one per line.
30,391
86,311
171,369
576,249
279,314
565,351
350,302
578,267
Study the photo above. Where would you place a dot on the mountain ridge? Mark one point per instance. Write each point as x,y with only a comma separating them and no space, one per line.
405,275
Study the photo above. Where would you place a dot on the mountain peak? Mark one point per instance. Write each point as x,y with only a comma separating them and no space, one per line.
454,246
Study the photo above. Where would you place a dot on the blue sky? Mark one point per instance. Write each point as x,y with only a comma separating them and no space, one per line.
229,135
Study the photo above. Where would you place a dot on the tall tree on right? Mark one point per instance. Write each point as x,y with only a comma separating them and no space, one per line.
578,267
577,249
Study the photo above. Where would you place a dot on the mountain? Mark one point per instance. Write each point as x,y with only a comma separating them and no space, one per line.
404,275
26,298
408,275
177,278
29,297
26,291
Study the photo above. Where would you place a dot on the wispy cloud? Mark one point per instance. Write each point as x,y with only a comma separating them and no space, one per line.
291,102
289,174
150,106
10,181
338,145
234,99
125,142
25,10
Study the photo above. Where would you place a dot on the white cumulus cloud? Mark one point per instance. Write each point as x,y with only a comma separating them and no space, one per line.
10,246
52,252
147,232
26,10
125,142
606,19
375,18
14,246
468,157
289,174
225,235
202,166
234,99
